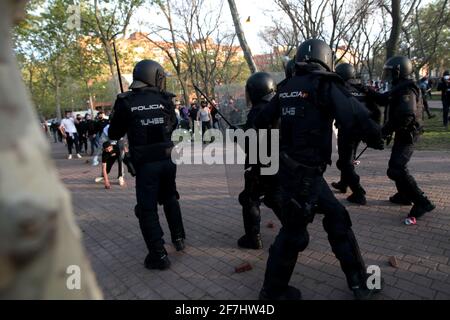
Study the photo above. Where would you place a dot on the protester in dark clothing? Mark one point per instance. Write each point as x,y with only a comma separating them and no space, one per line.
444,87
54,128
101,123
184,117
193,114
235,116
215,114
425,88
91,133
82,133
111,154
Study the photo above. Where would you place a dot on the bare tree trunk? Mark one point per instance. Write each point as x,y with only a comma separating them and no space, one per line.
240,34
58,99
392,43
40,241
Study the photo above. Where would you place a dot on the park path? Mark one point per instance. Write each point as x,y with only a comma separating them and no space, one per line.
213,223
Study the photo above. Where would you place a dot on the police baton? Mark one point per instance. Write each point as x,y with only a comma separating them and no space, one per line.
362,152
212,104
119,74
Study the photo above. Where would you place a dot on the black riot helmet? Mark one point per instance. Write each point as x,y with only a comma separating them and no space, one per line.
315,51
397,68
289,69
446,73
260,87
346,71
148,73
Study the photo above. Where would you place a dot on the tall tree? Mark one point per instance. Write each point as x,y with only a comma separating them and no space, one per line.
241,36
425,32
399,13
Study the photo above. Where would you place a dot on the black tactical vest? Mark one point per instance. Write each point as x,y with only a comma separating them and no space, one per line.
306,127
406,99
150,124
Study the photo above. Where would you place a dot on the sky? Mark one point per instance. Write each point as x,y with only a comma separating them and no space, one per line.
260,12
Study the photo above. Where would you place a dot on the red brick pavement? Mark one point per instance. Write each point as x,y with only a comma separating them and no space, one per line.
213,224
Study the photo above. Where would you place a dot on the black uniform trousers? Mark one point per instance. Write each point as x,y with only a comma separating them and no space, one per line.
345,164
294,238
401,154
155,183
259,186
82,142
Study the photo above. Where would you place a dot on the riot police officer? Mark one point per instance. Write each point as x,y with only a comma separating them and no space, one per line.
260,89
348,145
147,115
307,105
404,113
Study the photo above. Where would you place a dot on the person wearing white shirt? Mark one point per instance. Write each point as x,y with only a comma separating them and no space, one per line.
69,131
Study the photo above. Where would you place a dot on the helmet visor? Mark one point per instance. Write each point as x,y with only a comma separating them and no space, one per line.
388,74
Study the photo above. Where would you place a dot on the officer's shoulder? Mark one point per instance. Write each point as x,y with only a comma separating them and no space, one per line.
328,76
124,95
168,95
282,83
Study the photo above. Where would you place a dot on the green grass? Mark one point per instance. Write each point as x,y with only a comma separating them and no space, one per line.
435,136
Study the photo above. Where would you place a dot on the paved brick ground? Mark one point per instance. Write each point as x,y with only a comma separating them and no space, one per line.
213,224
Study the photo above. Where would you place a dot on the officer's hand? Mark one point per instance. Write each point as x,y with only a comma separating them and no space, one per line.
107,186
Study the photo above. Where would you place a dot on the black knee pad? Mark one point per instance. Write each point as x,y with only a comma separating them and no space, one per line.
301,241
395,174
244,199
296,240
339,225
167,199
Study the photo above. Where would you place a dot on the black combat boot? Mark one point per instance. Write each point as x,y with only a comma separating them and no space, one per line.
179,244
291,293
400,199
251,242
359,287
157,259
358,196
340,186
421,207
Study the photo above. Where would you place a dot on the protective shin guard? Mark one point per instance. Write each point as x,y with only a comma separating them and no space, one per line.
174,219
252,219
280,266
150,228
346,249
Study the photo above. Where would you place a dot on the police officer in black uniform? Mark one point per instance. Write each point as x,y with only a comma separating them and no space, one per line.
404,114
307,105
347,146
260,89
147,115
